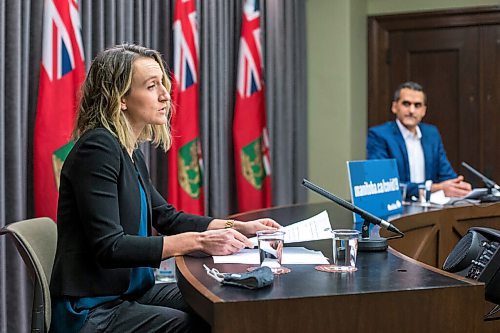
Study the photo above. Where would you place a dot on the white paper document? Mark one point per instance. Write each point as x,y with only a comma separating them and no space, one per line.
291,256
439,198
476,194
314,228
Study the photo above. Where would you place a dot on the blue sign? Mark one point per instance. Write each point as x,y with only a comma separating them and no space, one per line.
375,187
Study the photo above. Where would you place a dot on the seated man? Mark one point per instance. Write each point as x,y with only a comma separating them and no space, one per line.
417,147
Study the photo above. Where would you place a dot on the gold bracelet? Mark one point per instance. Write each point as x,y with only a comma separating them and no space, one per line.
229,224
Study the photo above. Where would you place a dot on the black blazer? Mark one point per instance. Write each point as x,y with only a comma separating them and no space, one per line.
99,216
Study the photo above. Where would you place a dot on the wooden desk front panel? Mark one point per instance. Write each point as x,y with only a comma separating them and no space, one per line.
431,235
440,310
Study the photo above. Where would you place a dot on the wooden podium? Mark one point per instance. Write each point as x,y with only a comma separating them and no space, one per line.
389,292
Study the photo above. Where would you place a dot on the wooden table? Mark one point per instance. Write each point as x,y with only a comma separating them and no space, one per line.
389,292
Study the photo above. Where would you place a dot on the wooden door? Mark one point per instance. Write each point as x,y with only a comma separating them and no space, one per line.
455,55
490,102
445,62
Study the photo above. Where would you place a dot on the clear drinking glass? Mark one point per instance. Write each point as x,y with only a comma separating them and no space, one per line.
271,250
424,193
345,251
403,187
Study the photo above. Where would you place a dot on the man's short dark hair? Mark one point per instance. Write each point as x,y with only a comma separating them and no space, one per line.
408,85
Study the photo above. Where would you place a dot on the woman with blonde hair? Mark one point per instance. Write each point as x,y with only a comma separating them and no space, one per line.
102,278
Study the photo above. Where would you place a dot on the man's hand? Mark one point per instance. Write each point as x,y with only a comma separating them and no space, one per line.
456,187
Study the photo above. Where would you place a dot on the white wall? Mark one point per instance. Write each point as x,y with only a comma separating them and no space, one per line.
337,90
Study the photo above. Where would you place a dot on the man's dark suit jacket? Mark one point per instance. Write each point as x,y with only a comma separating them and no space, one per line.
385,141
99,216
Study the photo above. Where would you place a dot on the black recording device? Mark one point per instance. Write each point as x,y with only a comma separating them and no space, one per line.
490,185
477,256
366,243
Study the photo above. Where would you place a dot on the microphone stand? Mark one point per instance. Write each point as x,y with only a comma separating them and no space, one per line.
368,244
490,185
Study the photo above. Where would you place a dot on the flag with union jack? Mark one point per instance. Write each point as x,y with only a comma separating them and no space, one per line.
62,71
250,135
185,190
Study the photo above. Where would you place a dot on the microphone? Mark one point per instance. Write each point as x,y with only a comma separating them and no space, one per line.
488,182
366,244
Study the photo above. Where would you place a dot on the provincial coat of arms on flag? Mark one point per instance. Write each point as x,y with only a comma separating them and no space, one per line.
189,173
255,165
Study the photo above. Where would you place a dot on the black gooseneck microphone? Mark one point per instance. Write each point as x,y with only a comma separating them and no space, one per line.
366,243
490,184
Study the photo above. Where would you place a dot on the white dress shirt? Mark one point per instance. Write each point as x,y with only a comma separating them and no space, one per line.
415,153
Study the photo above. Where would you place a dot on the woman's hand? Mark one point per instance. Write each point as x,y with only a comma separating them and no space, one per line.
219,239
251,227
223,241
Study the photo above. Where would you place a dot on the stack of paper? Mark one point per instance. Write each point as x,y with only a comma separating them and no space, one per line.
291,256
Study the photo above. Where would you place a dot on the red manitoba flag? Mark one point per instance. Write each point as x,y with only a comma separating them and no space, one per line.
185,191
61,73
251,139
